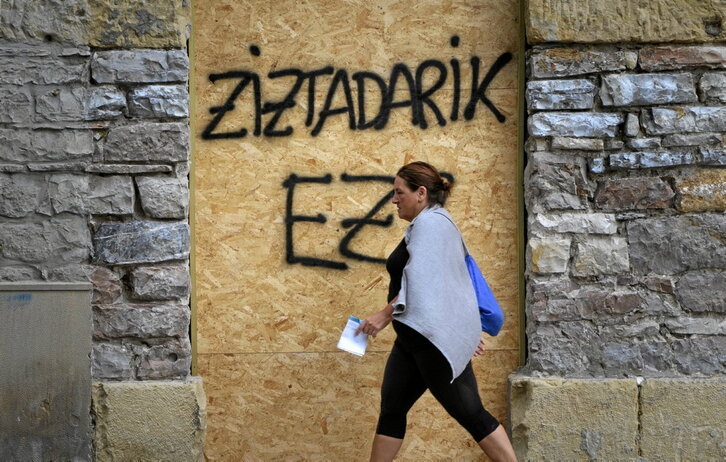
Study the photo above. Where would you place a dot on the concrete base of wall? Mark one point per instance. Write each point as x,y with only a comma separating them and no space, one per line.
618,419
154,420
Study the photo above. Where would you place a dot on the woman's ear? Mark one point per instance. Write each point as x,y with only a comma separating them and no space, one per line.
422,192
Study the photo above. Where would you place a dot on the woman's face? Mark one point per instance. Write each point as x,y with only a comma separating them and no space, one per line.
409,202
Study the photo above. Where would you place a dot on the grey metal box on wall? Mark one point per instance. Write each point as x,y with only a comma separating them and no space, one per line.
45,371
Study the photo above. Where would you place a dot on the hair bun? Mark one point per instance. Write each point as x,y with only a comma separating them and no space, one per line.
445,185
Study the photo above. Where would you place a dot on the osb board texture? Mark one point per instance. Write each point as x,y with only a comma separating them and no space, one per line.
597,21
250,303
300,406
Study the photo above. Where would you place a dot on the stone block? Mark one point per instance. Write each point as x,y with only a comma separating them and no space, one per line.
16,105
712,87
45,145
586,223
17,273
695,139
702,191
159,101
600,255
647,89
534,144
631,329
614,145
574,419
147,142
566,62
159,420
651,159
38,20
644,143
560,94
658,358
58,239
596,303
632,125
21,195
160,282
699,355
702,291
141,242
104,103
698,119
61,104
83,194
555,182
140,321
107,285
569,348
596,165
112,361
74,272
45,70
659,284
12,168
698,326
661,58
163,197
618,21
620,355
713,156
580,144
127,169
577,124
683,416
58,167
549,255
168,360
672,245
634,194
139,66
551,300
129,24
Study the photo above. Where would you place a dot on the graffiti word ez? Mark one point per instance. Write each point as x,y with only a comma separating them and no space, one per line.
417,96
355,224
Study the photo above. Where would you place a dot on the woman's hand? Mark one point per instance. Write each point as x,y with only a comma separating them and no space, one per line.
376,322
480,348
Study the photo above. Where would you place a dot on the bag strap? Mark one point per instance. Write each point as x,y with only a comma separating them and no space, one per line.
466,250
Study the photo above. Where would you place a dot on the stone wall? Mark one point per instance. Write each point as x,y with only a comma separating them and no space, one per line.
625,189
94,164
625,193
94,157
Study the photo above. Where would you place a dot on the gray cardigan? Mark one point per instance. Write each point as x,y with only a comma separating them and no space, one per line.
437,298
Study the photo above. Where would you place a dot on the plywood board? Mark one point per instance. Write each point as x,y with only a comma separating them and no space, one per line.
301,402
255,306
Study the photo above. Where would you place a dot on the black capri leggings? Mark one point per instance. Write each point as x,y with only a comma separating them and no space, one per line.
414,365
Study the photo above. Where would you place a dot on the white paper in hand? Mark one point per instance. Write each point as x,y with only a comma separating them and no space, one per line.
350,342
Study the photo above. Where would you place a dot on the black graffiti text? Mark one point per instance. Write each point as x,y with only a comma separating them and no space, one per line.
403,82
354,225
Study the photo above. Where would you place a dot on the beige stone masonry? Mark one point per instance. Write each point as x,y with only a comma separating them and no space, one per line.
683,419
574,419
159,420
618,419
598,21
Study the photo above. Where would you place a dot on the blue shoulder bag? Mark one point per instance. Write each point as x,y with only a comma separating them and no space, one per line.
490,314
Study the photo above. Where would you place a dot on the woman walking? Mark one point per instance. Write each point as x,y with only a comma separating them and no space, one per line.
433,309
